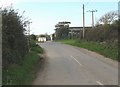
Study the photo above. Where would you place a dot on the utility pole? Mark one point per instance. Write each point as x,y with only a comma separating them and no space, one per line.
83,22
119,10
92,11
29,35
28,28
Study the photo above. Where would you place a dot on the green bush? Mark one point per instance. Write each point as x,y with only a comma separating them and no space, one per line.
22,74
101,34
14,42
17,62
37,49
32,43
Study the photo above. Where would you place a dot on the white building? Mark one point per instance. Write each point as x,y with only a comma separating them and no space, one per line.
41,39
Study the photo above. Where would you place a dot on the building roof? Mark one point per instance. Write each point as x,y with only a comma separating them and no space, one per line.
78,28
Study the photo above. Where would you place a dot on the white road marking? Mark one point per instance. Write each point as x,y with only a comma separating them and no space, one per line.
76,60
99,83
81,65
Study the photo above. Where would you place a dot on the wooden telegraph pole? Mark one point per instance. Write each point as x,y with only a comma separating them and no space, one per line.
83,22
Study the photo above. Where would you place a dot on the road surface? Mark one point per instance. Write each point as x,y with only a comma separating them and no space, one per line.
68,65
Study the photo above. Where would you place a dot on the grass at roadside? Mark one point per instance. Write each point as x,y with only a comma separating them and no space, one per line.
23,74
37,49
108,50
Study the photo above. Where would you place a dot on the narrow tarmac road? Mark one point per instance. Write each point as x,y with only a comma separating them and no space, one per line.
68,65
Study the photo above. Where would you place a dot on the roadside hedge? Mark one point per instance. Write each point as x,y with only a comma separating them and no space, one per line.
14,41
102,33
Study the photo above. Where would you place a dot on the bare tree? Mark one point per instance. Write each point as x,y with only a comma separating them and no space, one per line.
109,17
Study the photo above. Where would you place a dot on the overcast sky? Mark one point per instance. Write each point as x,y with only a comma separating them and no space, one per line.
44,14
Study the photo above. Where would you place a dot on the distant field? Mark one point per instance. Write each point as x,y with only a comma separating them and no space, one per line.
108,50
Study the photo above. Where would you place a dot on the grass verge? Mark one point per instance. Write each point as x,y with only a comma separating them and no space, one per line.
106,49
23,74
